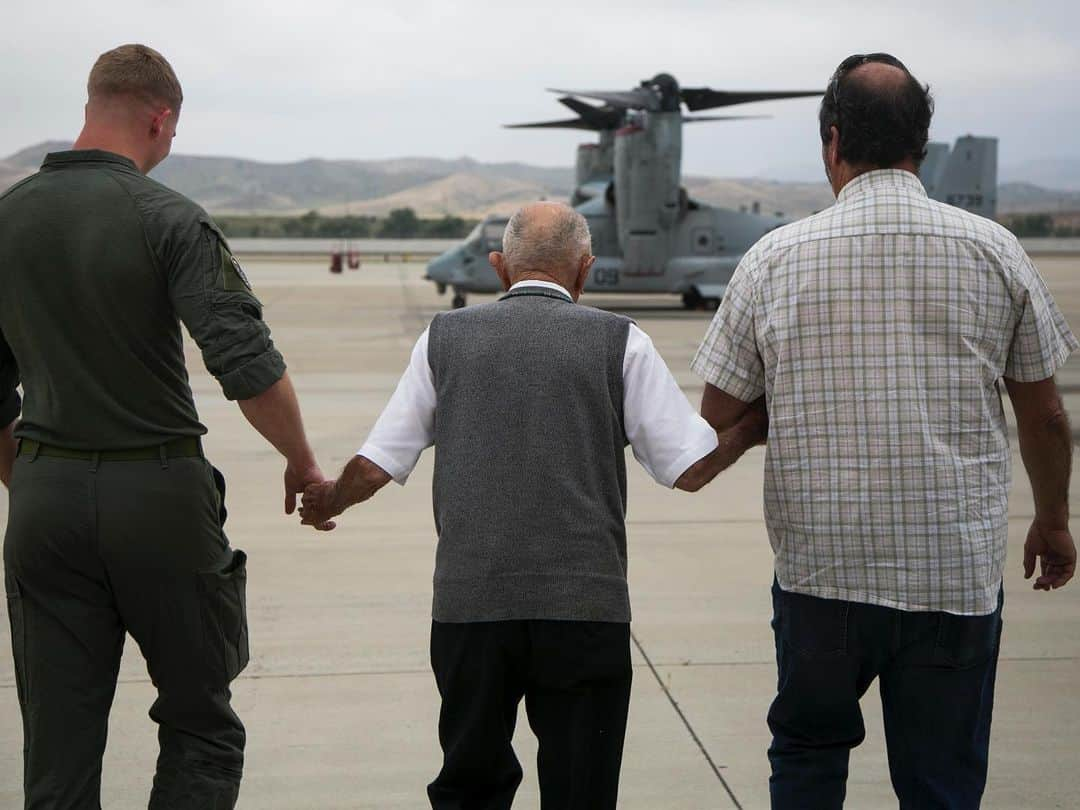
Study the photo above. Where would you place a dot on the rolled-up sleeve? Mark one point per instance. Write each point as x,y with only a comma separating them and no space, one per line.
10,402
213,298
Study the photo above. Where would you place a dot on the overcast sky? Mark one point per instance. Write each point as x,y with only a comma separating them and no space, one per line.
283,80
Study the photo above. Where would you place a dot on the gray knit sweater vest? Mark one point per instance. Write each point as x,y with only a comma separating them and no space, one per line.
530,473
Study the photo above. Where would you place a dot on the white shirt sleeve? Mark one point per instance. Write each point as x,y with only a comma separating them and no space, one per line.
406,427
666,434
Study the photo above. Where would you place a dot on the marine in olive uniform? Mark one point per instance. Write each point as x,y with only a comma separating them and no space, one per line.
116,517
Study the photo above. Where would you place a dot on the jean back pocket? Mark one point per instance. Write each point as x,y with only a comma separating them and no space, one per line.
809,625
967,641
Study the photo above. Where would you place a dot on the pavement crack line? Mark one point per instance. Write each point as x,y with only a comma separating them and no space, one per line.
686,722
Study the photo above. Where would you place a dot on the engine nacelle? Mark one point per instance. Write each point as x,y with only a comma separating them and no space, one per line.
648,158
595,161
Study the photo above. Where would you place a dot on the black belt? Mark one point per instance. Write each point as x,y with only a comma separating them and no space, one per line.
187,447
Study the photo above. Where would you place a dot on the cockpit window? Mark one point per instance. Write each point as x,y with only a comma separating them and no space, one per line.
493,234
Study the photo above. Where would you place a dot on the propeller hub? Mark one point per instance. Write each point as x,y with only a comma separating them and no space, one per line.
667,88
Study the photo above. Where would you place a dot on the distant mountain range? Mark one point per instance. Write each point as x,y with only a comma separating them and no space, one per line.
1054,173
466,187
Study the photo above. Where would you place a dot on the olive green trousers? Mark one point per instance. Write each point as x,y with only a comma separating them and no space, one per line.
95,549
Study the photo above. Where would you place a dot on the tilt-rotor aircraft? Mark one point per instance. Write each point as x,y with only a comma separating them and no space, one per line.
648,235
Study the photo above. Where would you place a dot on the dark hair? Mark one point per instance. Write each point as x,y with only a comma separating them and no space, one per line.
879,124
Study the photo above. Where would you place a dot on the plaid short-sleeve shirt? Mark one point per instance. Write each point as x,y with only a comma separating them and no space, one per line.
878,330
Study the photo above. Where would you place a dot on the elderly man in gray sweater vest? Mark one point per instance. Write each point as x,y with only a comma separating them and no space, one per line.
530,402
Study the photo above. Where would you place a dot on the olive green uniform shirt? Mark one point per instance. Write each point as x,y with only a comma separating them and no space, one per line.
99,264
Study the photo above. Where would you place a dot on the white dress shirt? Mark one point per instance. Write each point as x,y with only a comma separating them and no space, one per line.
665,433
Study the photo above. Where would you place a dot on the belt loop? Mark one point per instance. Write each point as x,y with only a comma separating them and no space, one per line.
34,452
95,459
163,455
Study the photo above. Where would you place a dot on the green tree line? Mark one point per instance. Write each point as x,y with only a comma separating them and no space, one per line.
1034,225
401,223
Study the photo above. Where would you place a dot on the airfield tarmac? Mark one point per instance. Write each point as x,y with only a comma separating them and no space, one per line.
338,700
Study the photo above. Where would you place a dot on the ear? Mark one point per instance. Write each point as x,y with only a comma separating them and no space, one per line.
832,149
157,123
583,275
498,261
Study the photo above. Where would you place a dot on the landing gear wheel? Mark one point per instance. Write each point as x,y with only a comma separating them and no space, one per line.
459,300
691,299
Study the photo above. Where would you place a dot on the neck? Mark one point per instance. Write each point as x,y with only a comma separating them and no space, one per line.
117,142
540,275
846,172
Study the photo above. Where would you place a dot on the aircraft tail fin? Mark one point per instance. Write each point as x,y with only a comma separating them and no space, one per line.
933,167
965,176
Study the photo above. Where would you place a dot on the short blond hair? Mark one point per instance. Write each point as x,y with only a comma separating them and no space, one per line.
137,71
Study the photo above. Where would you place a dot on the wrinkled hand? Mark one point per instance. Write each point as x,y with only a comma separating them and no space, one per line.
296,479
321,502
1057,556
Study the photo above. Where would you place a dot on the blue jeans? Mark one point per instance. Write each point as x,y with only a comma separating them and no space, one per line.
936,678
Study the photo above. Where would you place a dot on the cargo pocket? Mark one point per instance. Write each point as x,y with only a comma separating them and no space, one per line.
17,619
219,485
224,609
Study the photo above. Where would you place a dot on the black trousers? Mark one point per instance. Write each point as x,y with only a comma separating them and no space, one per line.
92,551
936,676
575,678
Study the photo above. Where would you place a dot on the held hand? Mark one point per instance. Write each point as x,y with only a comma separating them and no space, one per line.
320,503
359,481
296,478
1057,556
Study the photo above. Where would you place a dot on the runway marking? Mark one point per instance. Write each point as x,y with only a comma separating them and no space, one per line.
693,734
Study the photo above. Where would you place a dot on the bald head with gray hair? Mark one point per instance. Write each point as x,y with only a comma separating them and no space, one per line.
546,241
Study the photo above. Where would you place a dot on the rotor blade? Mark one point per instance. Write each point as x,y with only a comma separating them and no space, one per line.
638,98
703,98
693,119
601,117
568,123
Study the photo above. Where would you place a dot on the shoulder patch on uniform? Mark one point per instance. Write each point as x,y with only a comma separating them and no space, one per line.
235,270
233,277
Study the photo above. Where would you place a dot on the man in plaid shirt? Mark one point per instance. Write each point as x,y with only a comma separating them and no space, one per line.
877,332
